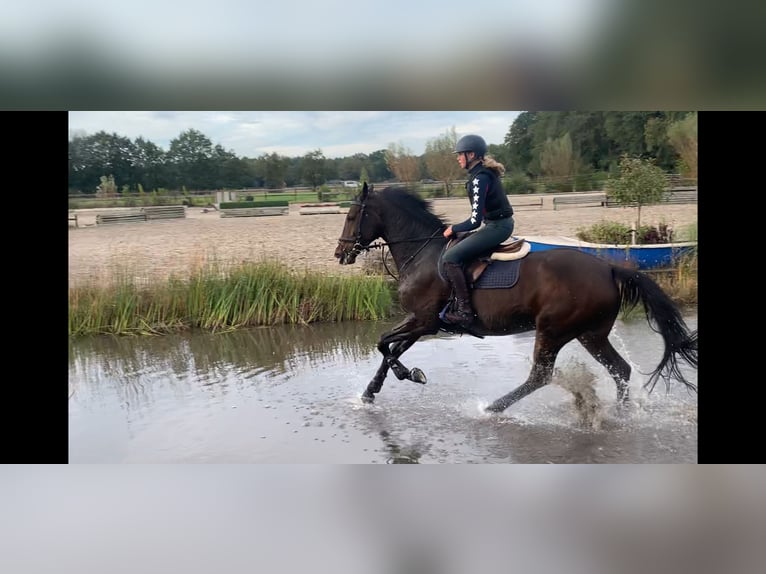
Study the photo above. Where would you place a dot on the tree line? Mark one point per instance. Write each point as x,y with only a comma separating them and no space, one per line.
566,145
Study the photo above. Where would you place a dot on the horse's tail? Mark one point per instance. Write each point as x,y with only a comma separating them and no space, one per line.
664,318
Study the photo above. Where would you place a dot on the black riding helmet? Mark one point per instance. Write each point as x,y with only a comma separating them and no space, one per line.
473,143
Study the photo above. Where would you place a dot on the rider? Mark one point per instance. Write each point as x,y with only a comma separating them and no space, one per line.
490,205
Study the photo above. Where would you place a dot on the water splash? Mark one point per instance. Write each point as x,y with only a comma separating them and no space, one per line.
581,382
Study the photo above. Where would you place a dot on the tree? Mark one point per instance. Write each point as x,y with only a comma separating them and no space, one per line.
377,166
440,159
313,168
191,159
402,163
500,153
683,137
625,131
91,157
273,169
350,167
234,172
150,166
364,176
83,174
657,141
518,140
107,187
557,158
640,183
225,169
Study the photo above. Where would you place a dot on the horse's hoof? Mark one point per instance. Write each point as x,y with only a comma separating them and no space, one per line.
495,408
368,398
417,376
623,408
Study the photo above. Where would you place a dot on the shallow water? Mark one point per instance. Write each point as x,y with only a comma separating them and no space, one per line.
291,395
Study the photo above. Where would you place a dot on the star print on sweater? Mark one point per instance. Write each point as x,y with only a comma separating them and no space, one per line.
475,206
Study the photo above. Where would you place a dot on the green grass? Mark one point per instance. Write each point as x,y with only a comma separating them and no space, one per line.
212,299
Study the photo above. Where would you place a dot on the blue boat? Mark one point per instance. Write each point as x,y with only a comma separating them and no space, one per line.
638,256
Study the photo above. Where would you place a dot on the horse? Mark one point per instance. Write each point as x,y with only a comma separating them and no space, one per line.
561,294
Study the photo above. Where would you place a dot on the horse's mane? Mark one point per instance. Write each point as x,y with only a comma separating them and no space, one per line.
418,210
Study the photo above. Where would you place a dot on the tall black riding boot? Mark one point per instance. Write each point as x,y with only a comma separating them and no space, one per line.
463,313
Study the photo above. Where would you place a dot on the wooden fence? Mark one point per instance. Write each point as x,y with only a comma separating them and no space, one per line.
673,196
254,211
164,211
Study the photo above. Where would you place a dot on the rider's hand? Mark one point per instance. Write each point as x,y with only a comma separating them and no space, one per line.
448,232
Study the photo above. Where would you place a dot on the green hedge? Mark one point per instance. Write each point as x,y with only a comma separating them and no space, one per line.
264,203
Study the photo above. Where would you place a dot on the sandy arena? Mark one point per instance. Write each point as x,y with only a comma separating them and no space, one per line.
156,249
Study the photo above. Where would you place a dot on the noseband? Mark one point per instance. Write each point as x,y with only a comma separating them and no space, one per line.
357,246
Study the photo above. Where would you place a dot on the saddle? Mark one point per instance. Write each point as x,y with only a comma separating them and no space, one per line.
507,251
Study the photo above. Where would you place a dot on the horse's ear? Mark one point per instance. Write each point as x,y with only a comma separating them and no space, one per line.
365,190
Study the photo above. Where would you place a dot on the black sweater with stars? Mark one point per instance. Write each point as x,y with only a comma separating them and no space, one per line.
487,197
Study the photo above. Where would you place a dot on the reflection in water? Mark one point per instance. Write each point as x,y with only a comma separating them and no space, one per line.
399,455
211,357
291,394
270,347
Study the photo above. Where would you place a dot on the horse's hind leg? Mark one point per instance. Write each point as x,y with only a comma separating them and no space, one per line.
540,375
598,345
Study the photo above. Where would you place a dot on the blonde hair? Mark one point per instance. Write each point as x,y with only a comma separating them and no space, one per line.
494,165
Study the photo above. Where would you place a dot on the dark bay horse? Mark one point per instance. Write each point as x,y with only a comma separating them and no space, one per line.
561,294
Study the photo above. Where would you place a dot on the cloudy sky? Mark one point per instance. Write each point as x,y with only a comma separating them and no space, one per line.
295,133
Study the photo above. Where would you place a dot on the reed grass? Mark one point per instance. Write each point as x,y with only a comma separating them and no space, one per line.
679,282
216,298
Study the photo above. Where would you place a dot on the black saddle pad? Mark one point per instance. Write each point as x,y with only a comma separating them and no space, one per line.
499,275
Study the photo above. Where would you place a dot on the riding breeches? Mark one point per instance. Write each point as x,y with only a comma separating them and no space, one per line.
491,234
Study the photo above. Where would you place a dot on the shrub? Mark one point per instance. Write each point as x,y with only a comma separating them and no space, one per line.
518,183
618,233
323,192
604,232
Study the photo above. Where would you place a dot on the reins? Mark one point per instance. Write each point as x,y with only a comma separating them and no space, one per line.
358,248
425,240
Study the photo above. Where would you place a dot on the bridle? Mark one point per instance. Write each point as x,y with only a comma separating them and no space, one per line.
357,246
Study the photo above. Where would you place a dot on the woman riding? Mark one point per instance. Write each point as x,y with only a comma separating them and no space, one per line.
489,205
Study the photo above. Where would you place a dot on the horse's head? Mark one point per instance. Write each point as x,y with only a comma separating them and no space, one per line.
359,230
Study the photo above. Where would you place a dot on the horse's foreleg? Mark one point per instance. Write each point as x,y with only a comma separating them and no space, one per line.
402,372
390,360
391,345
540,375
